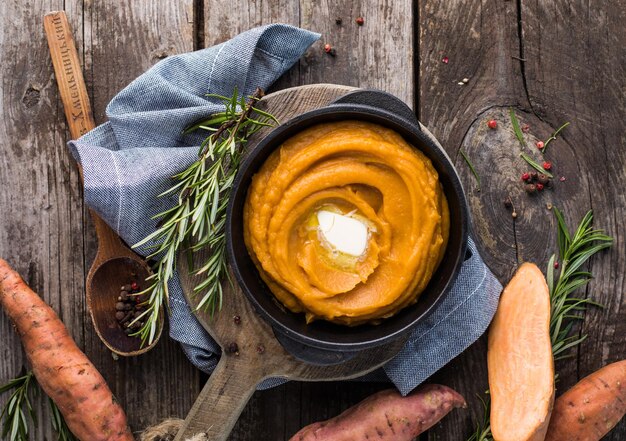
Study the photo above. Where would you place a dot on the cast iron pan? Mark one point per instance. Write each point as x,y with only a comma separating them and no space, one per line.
327,343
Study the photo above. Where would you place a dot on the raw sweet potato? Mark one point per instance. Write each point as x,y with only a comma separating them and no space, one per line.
63,371
591,408
387,415
519,358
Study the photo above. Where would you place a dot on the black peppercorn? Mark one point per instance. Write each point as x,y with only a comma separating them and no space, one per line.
119,315
237,320
543,179
507,203
338,21
260,349
533,175
232,348
530,188
120,306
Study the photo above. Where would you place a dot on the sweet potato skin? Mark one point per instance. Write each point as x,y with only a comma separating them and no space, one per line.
65,374
387,415
591,408
520,361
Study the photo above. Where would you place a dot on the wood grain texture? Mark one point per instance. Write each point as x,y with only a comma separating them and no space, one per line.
45,232
574,70
551,63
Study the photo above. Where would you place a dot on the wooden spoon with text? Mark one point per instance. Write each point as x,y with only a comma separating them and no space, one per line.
115,264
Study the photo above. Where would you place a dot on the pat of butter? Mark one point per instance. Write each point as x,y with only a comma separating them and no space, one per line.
344,233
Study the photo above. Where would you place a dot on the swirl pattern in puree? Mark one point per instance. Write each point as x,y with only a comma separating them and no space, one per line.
364,171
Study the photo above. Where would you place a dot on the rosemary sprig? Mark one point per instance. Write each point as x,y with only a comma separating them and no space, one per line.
483,429
553,136
18,409
58,423
574,251
471,166
535,165
516,128
198,218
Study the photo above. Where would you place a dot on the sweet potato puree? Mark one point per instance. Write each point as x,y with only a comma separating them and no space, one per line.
356,169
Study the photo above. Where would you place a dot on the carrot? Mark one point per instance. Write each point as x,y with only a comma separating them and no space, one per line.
519,359
65,374
387,415
591,408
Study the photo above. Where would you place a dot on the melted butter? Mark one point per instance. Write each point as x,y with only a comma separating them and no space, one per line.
343,233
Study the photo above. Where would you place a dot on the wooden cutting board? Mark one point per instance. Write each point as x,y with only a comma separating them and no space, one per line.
259,355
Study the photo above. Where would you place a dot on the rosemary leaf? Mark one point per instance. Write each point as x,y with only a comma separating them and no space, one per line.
18,409
535,165
516,128
58,423
553,137
471,166
197,220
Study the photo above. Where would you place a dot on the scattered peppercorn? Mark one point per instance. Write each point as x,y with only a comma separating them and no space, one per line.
492,124
534,175
539,186
540,145
530,188
237,320
445,60
547,165
134,286
525,176
543,179
508,203
232,348
338,21
360,21
562,179
556,265
525,128
260,349
514,214
327,48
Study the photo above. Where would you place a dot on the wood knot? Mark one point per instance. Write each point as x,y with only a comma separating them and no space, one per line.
31,97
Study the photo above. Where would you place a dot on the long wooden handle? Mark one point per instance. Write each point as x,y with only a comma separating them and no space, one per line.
221,401
68,74
78,112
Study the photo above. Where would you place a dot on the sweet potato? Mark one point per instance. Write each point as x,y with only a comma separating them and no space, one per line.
591,408
63,371
387,415
519,358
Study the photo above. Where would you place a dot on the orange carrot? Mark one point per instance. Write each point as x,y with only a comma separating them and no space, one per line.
591,408
65,374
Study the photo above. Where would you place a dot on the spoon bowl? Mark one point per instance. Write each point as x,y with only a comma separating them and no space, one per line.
102,295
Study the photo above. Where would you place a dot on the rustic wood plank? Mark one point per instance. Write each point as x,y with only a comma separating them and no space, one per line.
574,71
120,43
41,229
483,43
45,232
378,54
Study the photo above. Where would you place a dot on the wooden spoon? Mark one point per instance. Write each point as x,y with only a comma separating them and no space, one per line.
115,264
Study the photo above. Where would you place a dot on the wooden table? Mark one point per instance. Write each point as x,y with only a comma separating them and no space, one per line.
550,61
